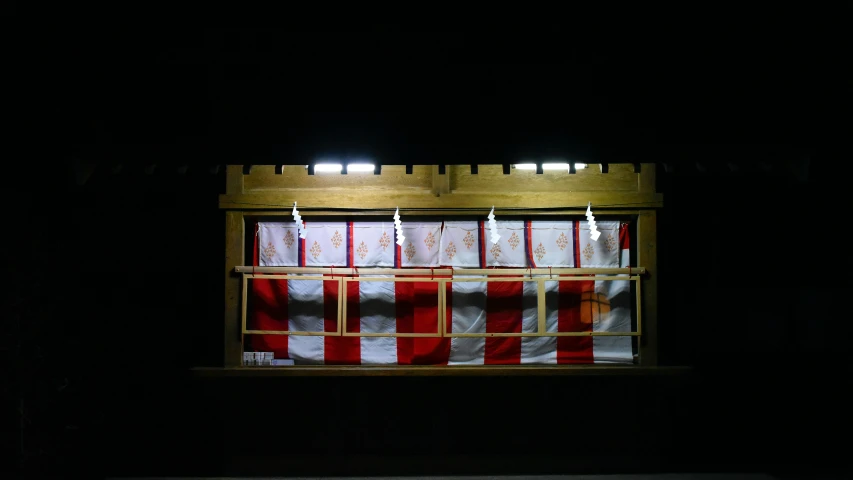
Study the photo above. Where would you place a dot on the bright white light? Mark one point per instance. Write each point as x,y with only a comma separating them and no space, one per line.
328,167
548,166
359,167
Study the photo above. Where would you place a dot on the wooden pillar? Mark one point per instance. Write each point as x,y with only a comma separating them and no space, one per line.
235,229
234,256
647,257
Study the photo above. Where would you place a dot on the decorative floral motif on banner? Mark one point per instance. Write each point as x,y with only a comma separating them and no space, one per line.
337,239
362,250
562,241
288,239
450,250
410,251
269,250
315,249
540,251
384,241
496,250
468,240
513,240
610,243
429,241
588,252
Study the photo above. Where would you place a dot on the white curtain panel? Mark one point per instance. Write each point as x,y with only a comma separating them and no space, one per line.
422,244
552,244
326,244
460,244
601,253
373,244
278,244
509,251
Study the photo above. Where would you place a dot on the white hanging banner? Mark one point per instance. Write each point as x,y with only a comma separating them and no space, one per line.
327,244
372,243
604,253
460,244
277,244
423,240
509,250
552,243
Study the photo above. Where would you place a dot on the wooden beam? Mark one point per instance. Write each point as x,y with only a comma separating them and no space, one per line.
234,256
524,272
380,200
410,211
647,257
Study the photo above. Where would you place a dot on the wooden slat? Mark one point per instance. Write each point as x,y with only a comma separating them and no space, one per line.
546,334
490,178
452,201
289,332
541,306
249,270
296,178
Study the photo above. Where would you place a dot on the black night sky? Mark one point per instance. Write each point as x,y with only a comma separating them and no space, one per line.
116,248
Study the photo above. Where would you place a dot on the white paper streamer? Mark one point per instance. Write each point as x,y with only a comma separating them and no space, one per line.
593,230
299,224
398,227
493,226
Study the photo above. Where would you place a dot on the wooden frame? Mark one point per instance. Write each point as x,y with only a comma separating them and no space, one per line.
624,190
249,276
439,314
540,298
441,301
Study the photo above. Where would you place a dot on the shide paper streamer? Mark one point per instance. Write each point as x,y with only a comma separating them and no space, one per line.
299,224
593,230
493,226
398,227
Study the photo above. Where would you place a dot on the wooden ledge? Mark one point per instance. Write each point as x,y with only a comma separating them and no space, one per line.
387,200
435,371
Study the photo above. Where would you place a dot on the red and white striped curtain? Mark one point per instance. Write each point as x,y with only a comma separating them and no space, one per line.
472,306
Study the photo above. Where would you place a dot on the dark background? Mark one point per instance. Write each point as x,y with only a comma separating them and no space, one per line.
116,249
